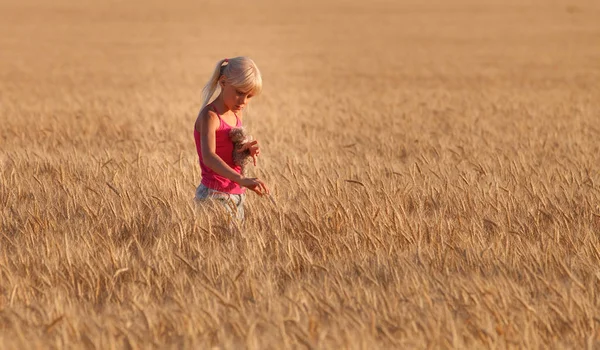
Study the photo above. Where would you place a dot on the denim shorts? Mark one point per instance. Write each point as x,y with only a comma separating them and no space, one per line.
234,203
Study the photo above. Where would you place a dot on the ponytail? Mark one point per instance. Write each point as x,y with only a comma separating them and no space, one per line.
209,89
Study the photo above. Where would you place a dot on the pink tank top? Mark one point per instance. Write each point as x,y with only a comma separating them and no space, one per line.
224,149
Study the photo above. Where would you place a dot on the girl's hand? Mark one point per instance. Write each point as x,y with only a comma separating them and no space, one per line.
255,185
253,148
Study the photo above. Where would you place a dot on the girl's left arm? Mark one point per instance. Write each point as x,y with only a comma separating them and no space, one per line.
253,148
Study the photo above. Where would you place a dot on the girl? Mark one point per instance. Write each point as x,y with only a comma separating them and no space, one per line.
238,80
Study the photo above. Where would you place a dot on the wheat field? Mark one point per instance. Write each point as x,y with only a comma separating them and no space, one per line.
435,168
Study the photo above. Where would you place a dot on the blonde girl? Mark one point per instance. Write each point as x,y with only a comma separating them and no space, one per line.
237,80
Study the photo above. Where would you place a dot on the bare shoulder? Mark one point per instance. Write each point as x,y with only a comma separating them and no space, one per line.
206,117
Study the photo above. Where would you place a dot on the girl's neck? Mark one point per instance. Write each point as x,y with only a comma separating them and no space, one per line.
220,105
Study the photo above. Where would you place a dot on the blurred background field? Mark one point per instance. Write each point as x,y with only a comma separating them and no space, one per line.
435,167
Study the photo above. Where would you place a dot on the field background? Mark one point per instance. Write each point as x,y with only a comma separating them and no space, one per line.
435,166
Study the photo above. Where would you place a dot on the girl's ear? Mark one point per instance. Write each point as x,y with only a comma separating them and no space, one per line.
222,81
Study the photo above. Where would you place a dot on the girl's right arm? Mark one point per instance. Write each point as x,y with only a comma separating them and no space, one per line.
207,125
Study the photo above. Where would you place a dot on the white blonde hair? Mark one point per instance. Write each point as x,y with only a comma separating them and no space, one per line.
241,72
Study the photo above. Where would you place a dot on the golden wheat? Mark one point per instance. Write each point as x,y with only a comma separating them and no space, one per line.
435,170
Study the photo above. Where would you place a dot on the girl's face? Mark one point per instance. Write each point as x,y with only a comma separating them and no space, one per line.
235,99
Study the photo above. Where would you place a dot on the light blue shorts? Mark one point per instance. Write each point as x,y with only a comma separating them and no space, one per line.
234,203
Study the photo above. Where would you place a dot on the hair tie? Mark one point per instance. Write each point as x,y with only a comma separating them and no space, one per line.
226,60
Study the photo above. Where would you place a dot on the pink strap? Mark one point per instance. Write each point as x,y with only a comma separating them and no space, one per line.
215,109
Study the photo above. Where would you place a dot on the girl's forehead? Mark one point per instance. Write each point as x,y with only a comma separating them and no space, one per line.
246,89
